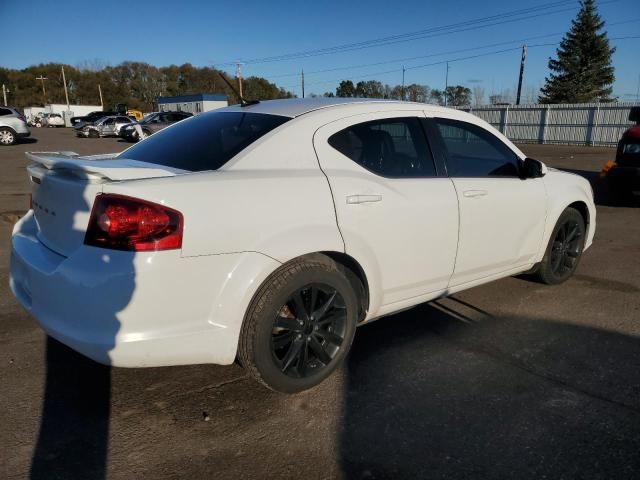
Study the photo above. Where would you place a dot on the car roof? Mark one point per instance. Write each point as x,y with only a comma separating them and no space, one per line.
294,107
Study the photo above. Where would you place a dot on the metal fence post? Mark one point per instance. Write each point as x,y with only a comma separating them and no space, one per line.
543,126
594,125
504,120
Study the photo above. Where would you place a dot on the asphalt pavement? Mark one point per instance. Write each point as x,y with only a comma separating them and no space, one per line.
513,379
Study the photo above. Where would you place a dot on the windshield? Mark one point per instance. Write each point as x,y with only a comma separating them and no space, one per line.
205,142
149,118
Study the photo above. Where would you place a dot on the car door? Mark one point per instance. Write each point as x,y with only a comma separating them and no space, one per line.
502,216
120,122
108,126
397,217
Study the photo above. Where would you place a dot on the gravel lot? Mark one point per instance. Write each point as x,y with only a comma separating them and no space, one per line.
509,380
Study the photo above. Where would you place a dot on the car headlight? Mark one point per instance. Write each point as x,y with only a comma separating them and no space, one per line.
631,148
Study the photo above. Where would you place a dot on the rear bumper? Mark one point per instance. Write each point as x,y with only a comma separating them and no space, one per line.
135,309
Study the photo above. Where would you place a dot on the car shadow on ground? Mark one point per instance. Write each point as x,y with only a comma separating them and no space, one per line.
602,192
74,426
448,391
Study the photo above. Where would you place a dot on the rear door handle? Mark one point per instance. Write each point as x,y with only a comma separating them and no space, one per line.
355,199
475,193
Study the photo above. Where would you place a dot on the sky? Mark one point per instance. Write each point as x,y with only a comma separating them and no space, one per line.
208,33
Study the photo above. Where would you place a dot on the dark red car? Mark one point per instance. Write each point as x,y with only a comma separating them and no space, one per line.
624,175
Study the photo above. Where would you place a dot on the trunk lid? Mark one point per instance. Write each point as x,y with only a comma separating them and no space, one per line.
64,186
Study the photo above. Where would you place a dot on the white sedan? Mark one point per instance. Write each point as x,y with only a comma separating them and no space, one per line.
269,232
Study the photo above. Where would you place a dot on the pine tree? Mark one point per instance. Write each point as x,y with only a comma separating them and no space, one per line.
583,72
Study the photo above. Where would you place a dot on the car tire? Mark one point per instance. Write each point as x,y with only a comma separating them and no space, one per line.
38,124
7,137
564,251
93,134
288,343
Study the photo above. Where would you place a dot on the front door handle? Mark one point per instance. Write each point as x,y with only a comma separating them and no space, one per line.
475,193
355,199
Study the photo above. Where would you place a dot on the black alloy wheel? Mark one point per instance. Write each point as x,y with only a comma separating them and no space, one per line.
300,324
566,248
309,330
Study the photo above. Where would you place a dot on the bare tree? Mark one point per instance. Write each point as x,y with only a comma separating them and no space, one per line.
478,95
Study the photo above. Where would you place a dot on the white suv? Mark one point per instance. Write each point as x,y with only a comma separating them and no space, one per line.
13,126
269,232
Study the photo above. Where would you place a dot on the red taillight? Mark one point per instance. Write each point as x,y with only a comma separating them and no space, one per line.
124,223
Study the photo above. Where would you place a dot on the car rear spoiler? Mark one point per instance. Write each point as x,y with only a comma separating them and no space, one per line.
105,166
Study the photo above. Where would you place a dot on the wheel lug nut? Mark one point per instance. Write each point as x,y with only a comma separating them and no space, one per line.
315,327
308,339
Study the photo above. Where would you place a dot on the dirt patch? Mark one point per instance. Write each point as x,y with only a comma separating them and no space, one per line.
11,217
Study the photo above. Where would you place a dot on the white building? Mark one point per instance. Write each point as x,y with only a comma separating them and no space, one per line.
61,108
196,103
77,110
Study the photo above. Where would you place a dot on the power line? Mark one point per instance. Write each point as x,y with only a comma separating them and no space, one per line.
508,17
443,62
405,59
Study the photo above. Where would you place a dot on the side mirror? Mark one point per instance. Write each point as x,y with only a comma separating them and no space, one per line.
532,168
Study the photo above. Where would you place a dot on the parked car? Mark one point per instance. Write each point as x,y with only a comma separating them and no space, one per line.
54,120
152,124
91,117
103,127
36,120
269,232
624,174
13,126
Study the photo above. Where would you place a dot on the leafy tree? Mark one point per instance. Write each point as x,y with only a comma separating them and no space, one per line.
137,84
346,89
416,93
370,89
582,72
458,96
436,96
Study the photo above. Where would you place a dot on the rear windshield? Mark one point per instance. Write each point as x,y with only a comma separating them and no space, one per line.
205,142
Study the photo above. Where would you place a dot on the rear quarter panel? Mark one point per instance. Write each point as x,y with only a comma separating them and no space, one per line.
272,198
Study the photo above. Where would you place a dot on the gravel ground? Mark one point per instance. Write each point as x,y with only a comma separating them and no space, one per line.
508,380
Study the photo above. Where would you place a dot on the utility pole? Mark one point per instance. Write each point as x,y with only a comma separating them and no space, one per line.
4,93
303,83
446,84
402,91
524,57
44,91
100,93
239,77
64,81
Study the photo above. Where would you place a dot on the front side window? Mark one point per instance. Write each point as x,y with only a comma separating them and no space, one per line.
205,142
474,152
393,147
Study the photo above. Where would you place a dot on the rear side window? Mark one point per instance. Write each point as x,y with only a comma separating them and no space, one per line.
5,111
394,147
205,142
474,152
